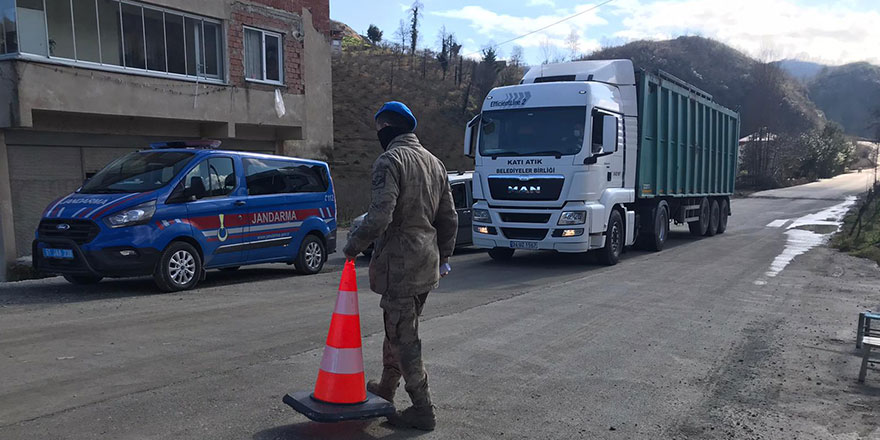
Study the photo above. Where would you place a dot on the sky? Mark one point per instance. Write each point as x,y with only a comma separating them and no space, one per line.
824,31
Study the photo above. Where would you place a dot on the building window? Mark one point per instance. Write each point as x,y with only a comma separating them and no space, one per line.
136,37
263,60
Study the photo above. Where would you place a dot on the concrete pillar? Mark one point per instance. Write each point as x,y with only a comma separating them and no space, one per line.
7,227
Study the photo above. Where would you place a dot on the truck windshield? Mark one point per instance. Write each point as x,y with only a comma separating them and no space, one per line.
138,172
548,131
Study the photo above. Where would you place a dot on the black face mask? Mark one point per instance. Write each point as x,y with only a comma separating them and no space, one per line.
387,134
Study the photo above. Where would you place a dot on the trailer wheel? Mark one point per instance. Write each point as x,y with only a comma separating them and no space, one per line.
714,218
614,240
725,214
501,254
700,226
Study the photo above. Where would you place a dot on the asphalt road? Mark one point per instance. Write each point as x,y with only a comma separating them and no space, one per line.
697,341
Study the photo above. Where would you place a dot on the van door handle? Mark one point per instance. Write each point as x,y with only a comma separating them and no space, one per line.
240,203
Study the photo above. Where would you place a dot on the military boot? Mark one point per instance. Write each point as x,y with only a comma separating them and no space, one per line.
418,417
381,390
386,387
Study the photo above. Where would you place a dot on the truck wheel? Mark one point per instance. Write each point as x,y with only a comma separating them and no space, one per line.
311,257
654,231
714,216
501,254
614,240
179,268
82,280
725,214
700,226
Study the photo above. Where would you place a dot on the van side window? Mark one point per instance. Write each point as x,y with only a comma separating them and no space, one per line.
267,176
459,195
217,174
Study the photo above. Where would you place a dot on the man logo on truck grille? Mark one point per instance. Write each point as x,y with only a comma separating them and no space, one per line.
523,189
517,99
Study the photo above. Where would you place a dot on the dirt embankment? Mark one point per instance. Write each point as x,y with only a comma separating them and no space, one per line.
362,82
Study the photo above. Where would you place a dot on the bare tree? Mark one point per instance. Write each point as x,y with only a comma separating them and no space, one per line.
548,50
573,42
415,12
402,35
517,58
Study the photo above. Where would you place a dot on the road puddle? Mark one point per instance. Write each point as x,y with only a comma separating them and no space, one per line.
809,231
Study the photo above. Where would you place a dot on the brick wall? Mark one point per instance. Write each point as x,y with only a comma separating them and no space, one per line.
264,14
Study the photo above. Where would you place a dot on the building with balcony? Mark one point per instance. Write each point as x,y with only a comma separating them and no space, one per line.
83,82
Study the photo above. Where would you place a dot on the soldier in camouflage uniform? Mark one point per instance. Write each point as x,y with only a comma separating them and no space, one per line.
413,223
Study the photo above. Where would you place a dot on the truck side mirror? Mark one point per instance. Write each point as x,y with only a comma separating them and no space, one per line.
609,134
470,136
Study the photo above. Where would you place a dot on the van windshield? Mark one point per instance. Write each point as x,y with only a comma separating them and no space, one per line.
548,131
138,172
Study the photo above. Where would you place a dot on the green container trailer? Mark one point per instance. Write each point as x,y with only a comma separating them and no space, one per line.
688,142
596,156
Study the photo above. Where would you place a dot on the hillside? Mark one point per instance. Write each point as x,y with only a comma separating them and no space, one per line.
362,82
801,70
848,95
764,94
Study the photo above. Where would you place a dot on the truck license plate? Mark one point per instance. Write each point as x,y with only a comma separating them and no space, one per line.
61,254
524,244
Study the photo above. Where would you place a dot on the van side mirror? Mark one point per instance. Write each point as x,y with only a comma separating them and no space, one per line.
609,134
471,135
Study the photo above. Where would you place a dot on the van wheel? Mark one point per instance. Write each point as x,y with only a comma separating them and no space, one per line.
699,227
501,254
180,268
614,240
311,257
82,280
714,218
725,215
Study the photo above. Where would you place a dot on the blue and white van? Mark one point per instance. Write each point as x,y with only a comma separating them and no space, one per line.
179,208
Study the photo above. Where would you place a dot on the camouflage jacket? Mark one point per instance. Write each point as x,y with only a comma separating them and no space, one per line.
411,219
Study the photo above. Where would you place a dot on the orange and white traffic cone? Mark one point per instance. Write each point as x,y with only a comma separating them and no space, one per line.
340,391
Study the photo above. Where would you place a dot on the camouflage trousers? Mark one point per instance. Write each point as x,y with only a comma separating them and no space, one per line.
402,350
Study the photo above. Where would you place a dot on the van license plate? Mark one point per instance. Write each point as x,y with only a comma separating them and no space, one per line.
61,254
524,244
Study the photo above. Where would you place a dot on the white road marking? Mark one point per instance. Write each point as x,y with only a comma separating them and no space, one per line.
778,223
800,240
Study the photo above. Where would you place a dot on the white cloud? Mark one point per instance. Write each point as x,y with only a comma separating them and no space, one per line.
501,27
549,3
834,32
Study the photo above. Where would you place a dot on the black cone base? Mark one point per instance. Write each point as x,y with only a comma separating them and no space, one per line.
303,402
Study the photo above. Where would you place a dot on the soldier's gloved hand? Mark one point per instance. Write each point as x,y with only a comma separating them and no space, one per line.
445,268
350,254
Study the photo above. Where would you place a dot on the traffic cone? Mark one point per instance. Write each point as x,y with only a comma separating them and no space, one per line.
340,391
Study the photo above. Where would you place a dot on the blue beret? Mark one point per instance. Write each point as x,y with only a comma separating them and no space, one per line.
398,107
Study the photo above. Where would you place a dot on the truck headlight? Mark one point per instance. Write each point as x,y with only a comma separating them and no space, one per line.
138,215
572,218
482,216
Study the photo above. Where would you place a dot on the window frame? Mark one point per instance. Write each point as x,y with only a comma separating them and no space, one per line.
207,160
263,33
452,190
222,63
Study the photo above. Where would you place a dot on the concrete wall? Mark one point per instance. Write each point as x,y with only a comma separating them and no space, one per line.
318,139
7,231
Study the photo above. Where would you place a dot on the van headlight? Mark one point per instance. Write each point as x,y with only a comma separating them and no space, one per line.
482,216
138,215
572,218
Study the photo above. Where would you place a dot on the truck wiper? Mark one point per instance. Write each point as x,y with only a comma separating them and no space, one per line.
556,153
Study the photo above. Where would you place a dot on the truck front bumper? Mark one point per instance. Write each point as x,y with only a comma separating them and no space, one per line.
567,246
